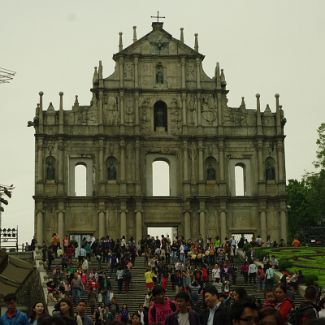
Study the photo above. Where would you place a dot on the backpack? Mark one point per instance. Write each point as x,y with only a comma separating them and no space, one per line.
295,316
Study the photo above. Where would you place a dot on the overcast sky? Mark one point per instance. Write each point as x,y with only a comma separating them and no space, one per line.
265,47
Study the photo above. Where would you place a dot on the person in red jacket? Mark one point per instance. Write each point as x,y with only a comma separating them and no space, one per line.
283,304
161,307
205,273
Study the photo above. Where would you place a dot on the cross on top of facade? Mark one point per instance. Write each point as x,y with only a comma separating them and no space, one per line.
158,17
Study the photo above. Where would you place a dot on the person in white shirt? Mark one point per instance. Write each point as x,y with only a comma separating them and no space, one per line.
216,272
252,270
233,244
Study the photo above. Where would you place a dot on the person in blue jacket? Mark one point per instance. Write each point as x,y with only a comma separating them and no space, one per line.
13,316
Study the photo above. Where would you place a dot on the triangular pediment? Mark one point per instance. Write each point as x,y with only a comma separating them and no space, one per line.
159,42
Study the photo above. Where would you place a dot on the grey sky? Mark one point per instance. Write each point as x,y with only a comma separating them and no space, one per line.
265,47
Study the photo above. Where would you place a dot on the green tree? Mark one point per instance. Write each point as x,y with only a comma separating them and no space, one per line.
320,153
298,206
306,198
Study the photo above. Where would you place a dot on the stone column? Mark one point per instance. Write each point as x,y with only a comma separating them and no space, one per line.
283,224
183,72
101,223
201,171
220,114
221,160
136,76
198,109
202,220
122,167
121,69
223,225
138,222
185,158
137,167
121,107
184,109
61,224
39,160
193,154
198,73
101,160
263,224
100,111
39,227
281,171
123,222
187,228
122,148
61,166
136,106
260,161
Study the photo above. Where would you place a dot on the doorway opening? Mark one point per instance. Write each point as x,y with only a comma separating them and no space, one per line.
247,236
80,239
159,231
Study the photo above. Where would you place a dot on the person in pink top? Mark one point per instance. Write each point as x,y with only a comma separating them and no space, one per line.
161,307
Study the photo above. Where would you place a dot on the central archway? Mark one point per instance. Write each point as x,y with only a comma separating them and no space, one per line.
160,178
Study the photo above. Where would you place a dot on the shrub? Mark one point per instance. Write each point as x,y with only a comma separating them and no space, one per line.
310,278
284,264
260,253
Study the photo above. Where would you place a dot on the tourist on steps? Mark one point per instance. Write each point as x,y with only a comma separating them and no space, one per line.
283,304
183,315
216,313
13,316
38,311
162,307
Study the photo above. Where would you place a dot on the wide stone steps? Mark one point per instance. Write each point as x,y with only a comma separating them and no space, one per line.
137,291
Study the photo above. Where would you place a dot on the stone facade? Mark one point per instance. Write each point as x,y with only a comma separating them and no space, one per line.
159,104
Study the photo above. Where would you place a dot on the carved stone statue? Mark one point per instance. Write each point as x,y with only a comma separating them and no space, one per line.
269,170
159,74
111,170
211,173
50,169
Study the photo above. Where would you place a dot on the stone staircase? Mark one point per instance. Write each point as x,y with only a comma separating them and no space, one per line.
137,291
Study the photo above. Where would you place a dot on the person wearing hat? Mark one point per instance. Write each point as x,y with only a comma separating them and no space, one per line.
13,316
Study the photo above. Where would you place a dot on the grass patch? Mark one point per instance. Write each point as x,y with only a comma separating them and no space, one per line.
311,260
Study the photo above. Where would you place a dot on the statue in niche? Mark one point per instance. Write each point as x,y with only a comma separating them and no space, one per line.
159,74
129,112
211,172
50,168
128,71
269,170
112,110
192,110
111,170
208,113
190,74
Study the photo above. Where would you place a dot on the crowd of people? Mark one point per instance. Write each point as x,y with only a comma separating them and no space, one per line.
179,288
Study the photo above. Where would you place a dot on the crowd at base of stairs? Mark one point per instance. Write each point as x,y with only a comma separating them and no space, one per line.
178,266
